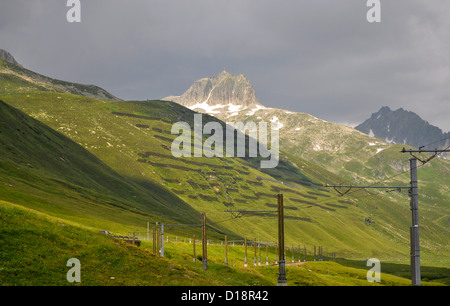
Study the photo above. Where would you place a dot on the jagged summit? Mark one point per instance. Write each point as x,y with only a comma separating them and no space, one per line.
404,127
222,89
6,56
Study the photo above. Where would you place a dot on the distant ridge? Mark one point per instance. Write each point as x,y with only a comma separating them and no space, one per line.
10,68
403,127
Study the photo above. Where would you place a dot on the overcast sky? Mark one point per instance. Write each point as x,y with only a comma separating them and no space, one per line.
319,57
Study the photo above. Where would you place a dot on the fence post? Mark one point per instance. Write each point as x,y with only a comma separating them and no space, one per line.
276,253
245,246
204,243
226,251
193,239
254,258
259,253
158,242
154,240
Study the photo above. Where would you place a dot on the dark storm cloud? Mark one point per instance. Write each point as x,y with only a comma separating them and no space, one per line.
319,57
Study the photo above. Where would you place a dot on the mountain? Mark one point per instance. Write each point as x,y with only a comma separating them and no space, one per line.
6,56
223,92
301,135
11,71
404,127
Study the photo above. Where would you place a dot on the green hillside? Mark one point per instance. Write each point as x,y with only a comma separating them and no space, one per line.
107,165
43,169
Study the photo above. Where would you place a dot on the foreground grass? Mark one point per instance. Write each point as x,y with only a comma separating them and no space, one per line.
35,249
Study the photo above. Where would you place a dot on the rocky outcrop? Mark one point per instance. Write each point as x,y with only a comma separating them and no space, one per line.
6,56
222,89
404,127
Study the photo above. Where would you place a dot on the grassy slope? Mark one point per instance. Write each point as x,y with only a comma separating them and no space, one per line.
43,169
36,247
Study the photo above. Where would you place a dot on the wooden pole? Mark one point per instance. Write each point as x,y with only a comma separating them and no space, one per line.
259,252
282,281
154,240
276,253
195,255
255,247
204,243
226,251
158,242
245,245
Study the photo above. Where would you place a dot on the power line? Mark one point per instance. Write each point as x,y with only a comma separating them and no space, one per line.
434,142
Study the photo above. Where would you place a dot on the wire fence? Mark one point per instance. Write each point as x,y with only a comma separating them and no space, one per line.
250,252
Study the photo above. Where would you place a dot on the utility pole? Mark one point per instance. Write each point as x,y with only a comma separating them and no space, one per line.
414,205
415,246
282,281
414,194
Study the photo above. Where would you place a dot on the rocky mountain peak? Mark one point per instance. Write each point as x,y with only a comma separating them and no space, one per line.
403,127
222,89
6,56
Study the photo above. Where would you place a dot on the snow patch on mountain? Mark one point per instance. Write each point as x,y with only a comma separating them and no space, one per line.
255,109
276,124
210,109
